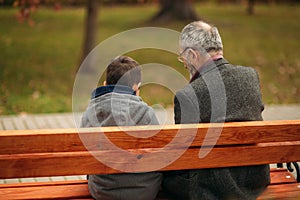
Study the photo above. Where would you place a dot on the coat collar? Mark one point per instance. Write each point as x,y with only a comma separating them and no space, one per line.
209,66
121,89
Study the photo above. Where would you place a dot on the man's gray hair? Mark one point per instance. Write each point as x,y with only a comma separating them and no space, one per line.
201,36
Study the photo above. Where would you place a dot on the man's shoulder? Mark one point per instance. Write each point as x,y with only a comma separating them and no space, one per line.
239,69
186,90
227,71
238,73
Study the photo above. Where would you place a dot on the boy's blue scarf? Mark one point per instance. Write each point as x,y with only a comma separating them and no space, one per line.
112,88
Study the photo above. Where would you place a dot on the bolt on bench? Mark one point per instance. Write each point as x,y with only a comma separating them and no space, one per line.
60,152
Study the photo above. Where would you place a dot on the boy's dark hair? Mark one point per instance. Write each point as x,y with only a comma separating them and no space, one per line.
123,70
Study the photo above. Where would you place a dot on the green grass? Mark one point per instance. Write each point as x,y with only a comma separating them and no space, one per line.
268,41
37,64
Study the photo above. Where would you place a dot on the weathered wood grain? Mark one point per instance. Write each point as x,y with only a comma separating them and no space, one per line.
171,136
56,164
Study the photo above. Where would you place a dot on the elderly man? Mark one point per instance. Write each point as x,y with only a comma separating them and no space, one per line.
217,92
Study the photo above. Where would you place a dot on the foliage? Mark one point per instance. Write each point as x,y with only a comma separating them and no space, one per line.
37,63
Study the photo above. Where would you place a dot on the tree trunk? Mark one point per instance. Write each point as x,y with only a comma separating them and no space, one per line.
250,8
90,33
175,10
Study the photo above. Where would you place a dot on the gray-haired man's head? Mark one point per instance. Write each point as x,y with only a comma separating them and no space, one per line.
198,42
201,36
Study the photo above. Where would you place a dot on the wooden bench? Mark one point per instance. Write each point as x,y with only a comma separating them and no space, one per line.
60,152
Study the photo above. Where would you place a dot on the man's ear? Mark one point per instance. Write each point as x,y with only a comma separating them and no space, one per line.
193,54
104,83
197,58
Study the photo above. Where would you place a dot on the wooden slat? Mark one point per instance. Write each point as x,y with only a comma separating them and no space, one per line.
278,176
239,156
78,190
69,140
282,192
34,184
46,191
40,141
56,164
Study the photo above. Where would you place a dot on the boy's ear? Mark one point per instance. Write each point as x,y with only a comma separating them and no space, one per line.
136,88
104,83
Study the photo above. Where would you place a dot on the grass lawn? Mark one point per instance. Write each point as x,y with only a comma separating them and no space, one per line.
38,64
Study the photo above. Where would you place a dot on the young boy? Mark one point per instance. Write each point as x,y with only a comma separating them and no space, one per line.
117,104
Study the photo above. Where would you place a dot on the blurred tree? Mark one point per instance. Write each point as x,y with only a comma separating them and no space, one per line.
175,9
90,30
91,21
250,8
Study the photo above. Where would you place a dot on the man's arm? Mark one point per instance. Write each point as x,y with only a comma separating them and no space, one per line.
186,107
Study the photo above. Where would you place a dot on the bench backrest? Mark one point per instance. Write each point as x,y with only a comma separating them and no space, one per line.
55,152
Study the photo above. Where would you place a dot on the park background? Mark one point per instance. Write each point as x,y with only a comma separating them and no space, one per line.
39,56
